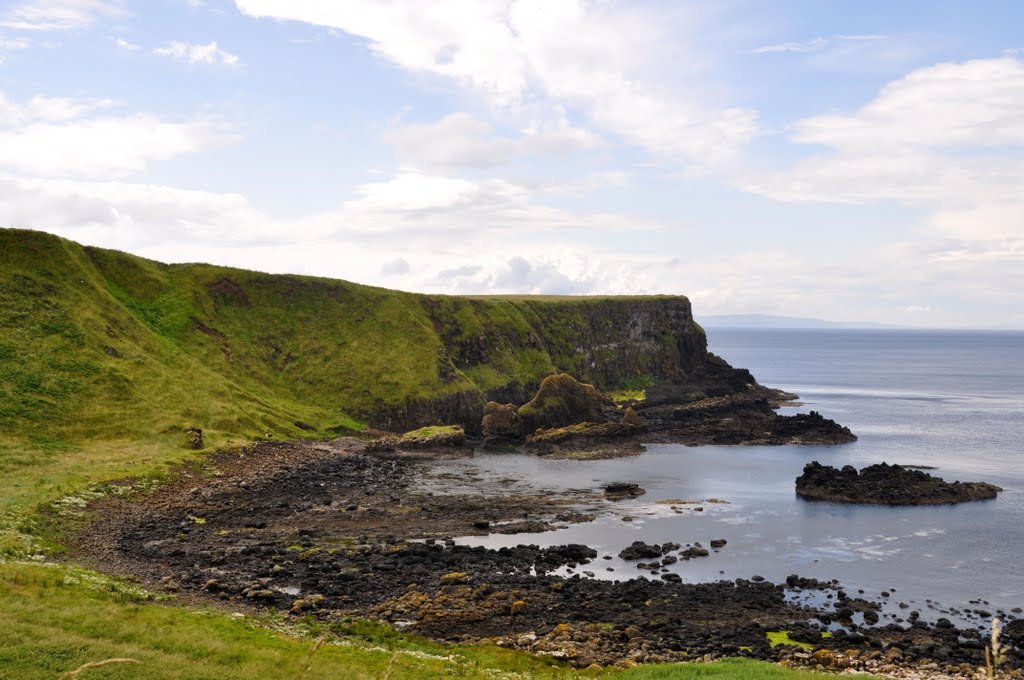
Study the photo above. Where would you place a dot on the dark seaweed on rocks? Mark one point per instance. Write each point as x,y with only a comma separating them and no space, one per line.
884,484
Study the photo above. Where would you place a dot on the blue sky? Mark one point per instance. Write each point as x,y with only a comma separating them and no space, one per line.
854,161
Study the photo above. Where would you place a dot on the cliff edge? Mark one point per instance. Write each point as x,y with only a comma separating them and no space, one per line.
98,344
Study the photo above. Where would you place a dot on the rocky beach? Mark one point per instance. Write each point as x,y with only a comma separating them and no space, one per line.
333,531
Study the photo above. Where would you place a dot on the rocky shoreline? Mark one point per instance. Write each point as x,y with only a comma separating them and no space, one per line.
333,531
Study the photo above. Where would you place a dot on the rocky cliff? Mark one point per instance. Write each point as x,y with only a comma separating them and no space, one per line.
98,343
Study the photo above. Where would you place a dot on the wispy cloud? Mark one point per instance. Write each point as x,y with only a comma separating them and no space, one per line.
61,137
58,15
14,44
126,45
198,54
815,44
593,57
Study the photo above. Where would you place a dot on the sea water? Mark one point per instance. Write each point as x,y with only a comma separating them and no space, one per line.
950,400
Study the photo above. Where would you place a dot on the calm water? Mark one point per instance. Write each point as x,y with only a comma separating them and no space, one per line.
953,400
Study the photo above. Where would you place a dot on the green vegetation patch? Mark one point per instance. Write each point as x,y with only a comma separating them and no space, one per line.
727,669
434,432
781,637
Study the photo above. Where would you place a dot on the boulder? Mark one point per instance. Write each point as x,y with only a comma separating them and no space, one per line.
617,490
561,401
640,550
500,420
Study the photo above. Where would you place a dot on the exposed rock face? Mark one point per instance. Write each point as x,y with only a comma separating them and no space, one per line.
745,418
884,484
464,408
569,419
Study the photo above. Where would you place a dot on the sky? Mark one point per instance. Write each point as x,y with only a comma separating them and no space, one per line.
851,160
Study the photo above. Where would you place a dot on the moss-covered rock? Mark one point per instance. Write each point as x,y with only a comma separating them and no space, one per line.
562,401
430,437
500,420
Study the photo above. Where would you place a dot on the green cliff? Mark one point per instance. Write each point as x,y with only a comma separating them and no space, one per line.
101,345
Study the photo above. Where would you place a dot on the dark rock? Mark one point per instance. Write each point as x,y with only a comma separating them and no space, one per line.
886,485
617,490
639,550
696,550
195,438
631,420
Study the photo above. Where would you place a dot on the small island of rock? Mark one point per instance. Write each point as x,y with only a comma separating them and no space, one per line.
884,484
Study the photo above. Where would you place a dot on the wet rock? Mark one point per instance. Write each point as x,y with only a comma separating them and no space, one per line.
884,484
618,490
696,550
640,550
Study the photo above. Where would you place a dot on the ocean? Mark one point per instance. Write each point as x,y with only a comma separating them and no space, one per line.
953,400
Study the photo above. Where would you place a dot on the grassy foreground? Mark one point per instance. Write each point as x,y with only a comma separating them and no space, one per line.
56,618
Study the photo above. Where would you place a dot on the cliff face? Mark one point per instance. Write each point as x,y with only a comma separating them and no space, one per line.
97,343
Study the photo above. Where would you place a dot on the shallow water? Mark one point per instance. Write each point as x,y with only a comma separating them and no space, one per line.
953,400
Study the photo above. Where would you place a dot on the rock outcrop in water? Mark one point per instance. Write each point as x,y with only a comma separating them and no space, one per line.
884,484
569,418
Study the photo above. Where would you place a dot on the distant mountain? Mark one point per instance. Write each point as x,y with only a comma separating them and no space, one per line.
771,321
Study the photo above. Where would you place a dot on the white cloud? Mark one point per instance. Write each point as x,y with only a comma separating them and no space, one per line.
948,141
812,45
14,44
58,15
397,267
41,108
461,140
948,138
815,44
428,208
59,137
126,45
594,57
197,54
956,105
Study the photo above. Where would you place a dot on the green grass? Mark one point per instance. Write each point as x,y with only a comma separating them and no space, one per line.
781,637
622,396
727,669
